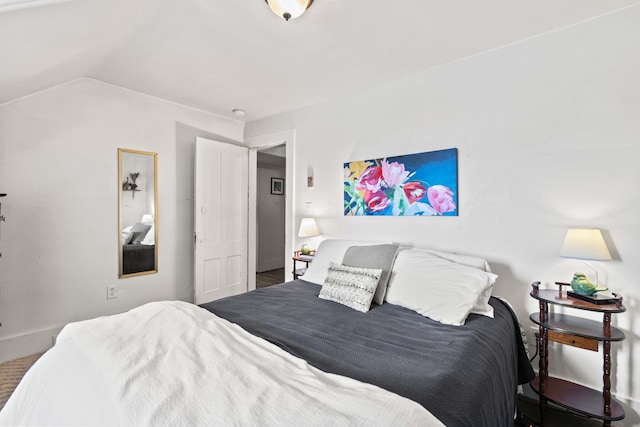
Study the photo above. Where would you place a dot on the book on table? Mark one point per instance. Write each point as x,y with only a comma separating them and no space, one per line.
597,298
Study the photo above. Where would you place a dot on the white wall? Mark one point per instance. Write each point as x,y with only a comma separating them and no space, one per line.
548,136
59,164
271,220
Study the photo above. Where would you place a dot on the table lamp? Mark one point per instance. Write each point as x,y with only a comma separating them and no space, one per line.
147,219
586,244
308,228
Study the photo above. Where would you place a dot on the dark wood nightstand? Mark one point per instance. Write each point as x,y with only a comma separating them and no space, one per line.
581,333
298,257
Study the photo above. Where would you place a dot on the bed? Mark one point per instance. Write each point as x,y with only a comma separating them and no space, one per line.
138,248
138,258
291,354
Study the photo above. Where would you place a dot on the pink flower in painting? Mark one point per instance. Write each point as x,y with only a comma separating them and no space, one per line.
414,191
376,200
394,173
441,198
370,180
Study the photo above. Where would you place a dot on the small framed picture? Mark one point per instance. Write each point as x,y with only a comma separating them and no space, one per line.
277,185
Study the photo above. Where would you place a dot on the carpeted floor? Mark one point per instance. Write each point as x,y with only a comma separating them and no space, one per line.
11,373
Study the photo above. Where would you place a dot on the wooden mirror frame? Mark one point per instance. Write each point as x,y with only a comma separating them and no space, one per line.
138,261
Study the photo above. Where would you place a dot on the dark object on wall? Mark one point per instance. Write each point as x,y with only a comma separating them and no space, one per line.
131,186
1,216
277,186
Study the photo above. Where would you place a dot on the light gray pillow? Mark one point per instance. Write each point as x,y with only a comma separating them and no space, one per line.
375,256
138,231
330,250
350,286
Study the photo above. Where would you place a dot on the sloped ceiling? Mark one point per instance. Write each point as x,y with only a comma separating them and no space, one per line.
216,55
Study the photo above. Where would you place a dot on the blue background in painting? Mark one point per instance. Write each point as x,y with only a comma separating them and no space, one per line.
430,168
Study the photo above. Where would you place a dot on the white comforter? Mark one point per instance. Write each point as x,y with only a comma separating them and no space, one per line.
175,364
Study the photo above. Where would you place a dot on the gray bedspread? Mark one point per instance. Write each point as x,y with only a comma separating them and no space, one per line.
464,375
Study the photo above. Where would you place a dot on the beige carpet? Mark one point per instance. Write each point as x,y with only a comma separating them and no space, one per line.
11,373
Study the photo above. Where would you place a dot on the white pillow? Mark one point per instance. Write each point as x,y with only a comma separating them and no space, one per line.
351,286
482,306
329,250
149,238
126,237
436,287
468,260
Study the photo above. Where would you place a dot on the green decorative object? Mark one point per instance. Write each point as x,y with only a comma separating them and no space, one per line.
581,285
305,249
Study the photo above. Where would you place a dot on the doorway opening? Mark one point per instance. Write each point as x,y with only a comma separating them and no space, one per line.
270,216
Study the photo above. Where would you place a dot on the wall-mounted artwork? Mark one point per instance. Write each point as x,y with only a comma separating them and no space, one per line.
277,186
414,184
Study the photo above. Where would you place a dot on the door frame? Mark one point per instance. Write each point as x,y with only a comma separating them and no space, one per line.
255,144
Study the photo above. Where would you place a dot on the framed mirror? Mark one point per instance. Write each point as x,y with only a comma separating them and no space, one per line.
137,212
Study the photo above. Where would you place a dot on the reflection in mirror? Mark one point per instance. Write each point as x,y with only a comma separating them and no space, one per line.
137,212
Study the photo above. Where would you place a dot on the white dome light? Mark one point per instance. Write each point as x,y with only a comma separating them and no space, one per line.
289,9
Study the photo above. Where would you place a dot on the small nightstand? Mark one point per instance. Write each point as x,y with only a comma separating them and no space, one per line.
298,257
581,333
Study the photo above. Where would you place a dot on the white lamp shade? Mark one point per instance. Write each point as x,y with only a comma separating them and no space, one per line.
308,228
586,244
289,9
147,219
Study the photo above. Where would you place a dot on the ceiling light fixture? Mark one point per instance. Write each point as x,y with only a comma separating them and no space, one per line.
288,9
239,112
8,5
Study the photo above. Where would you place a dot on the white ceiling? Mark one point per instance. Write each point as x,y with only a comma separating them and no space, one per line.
217,55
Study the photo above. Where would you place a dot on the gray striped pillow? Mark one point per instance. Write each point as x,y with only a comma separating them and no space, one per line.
351,286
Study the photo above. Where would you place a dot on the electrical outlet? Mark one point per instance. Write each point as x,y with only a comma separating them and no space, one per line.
534,330
112,292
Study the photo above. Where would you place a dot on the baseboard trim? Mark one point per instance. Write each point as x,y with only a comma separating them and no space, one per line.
24,345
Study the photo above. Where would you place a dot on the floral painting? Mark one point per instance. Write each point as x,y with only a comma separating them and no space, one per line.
416,184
